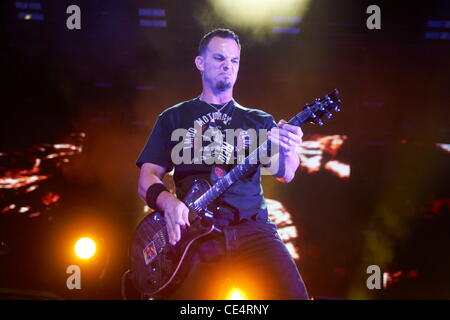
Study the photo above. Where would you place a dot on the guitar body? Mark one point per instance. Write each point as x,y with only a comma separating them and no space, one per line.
154,261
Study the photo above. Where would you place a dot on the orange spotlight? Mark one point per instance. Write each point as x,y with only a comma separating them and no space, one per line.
85,248
237,294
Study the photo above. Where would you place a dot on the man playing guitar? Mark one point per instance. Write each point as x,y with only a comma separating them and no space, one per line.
247,250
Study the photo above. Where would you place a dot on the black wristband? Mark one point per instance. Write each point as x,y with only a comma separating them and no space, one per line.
152,194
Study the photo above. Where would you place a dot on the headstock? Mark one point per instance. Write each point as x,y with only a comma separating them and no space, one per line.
315,111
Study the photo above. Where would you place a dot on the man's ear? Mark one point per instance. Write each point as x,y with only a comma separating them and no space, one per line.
199,63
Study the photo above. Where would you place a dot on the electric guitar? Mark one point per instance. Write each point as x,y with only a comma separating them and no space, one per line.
155,263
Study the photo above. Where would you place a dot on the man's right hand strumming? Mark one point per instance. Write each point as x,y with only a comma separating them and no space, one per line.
176,215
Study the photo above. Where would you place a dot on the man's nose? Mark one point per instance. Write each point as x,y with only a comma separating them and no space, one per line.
226,65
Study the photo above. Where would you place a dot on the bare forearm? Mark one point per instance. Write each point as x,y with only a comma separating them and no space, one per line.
146,179
292,162
288,138
175,212
283,167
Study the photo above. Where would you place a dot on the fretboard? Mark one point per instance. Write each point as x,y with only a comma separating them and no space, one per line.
241,169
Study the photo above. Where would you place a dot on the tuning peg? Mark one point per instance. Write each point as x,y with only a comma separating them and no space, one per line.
329,114
319,122
336,108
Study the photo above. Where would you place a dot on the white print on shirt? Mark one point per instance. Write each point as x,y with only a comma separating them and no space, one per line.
209,125
212,117
214,147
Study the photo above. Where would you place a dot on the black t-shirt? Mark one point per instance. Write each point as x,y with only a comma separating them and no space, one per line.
244,200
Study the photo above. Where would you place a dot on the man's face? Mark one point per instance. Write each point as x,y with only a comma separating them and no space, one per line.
220,63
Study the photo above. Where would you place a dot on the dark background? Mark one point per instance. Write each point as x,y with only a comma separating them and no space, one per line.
113,77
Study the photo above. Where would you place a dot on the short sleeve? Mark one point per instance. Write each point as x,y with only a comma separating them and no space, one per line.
270,123
157,150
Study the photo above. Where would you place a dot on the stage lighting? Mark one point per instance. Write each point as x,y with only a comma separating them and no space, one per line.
438,24
437,35
85,248
155,18
33,11
442,34
29,5
29,16
289,25
237,294
282,16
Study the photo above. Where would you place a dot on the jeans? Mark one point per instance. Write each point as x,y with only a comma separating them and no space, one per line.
248,256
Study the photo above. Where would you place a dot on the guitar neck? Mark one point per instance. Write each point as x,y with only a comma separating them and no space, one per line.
231,177
309,113
241,169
